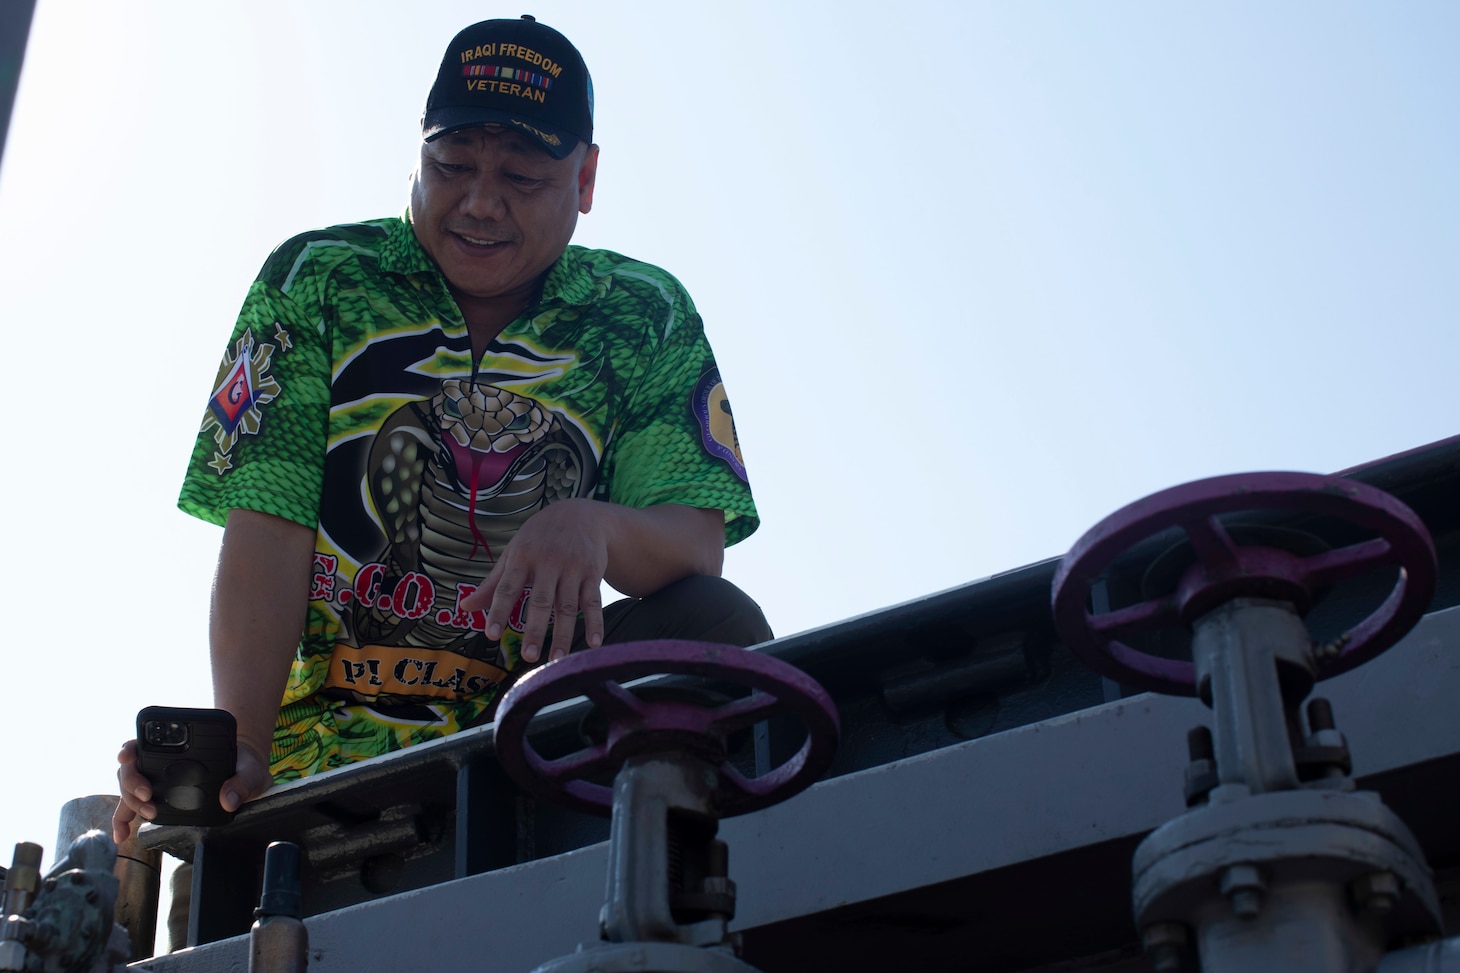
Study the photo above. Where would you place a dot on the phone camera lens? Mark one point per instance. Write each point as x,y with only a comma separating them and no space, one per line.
162,734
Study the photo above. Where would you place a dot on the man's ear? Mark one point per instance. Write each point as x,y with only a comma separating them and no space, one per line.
587,174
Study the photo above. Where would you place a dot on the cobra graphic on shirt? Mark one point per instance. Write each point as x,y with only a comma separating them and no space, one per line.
451,479
445,481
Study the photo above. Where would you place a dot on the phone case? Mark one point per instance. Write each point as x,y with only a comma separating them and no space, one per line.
187,754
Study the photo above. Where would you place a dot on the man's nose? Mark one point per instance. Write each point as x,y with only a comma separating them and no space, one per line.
484,199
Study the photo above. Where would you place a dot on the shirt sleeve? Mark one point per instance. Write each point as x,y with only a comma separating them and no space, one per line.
261,445
676,441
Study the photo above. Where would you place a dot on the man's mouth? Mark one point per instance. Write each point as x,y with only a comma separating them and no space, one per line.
483,242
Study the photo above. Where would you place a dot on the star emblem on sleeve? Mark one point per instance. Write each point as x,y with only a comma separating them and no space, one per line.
245,386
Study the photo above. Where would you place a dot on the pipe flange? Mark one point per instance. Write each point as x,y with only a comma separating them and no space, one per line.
1240,848
646,958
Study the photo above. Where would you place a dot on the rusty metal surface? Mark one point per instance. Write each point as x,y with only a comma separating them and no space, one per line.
647,958
958,855
444,811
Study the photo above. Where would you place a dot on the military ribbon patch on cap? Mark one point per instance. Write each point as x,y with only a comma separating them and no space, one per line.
512,74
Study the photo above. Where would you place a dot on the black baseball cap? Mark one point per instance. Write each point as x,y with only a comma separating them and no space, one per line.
515,73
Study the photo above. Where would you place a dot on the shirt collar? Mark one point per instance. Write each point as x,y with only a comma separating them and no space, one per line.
401,253
569,281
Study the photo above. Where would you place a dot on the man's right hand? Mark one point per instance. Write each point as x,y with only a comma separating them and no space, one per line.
251,780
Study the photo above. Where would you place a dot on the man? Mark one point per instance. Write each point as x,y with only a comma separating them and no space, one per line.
432,438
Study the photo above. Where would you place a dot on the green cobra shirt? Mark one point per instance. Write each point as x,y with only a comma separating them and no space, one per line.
348,401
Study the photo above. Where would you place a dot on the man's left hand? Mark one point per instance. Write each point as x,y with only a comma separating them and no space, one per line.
561,553
566,550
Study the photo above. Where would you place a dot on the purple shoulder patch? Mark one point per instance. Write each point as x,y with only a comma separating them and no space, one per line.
711,410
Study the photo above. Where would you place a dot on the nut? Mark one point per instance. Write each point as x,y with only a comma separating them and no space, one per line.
1376,892
1244,885
1165,944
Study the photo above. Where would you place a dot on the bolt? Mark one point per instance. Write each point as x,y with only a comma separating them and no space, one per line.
1165,945
718,859
1243,886
1376,892
1199,743
1201,773
1246,903
1320,715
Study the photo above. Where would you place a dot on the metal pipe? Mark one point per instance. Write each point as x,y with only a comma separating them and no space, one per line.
278,941
1237,646
138,870
1440,957
937,686
1304,927
646,791
23,879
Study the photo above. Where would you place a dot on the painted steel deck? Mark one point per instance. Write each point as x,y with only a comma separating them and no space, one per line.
981,812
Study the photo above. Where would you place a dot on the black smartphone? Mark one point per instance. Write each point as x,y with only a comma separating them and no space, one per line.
187,754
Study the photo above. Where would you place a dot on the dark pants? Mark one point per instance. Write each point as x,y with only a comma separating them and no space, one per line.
700,608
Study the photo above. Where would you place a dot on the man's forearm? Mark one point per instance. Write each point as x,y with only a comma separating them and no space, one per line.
259,602
651,547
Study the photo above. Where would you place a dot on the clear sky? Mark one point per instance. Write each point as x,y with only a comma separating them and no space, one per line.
976,274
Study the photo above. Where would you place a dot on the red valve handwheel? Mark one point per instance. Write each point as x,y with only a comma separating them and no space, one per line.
1225,570
640,726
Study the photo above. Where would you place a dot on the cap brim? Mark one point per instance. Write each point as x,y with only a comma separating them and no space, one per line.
442,121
